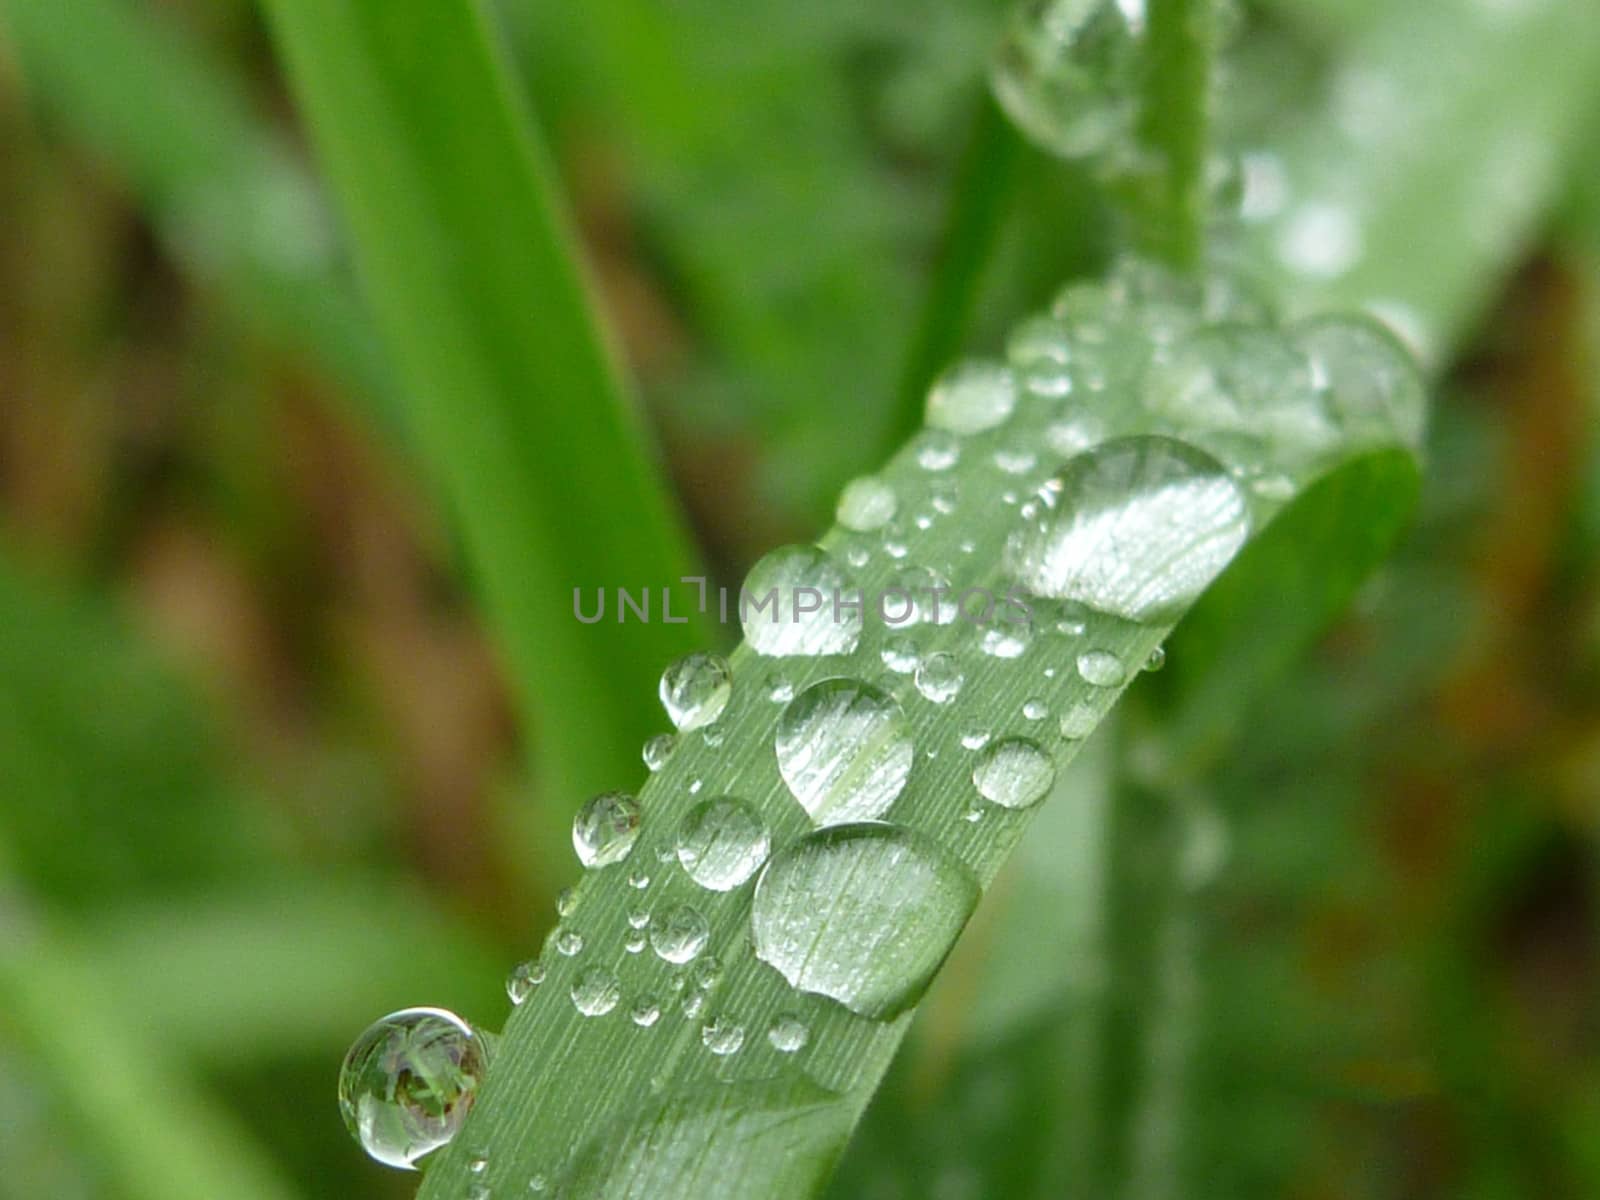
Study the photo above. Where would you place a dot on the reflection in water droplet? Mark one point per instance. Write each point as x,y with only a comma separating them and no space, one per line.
798,601
971,397
1101,668
695,690
1064,74
658,750
1135,527
845,750
721,843
524,977
605,828
866,504
679,934
595,992
409,1081
939,678
1014,773
863,914
569,942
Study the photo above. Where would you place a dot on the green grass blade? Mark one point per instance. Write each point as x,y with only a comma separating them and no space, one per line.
226,193
151,1129
469,267
636,1098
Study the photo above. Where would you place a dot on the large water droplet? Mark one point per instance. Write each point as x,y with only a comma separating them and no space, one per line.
721,843
1136,527
971,397
866,504
605,828
695,689
679,934
595,992
1014,773
1371,382
1064,74
796,601
863,914
845,750
409,1081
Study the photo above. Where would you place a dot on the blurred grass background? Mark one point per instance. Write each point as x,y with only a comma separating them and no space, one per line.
259,774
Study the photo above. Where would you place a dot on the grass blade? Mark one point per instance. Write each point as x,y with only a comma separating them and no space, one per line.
470,270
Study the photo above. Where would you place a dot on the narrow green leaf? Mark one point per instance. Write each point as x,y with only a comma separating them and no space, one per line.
469,266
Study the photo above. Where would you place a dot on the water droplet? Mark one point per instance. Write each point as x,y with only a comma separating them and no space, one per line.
937,450
679,934
722,1036
524,977
595,992
788,1034
645,1013
693,1004
634,943
1244,381
1042,338
638,880
971,397
695,690
939,678
1015,460
863,914
714,736
1101,668
866,504
900,654
409,1081
722,842
1136,527
779,689
638,918
605,829
569,942
1035,710
1156,660
1071,436
566,900
478,1165
845,750
1008,639
1064,74
1014,773
975,739
707,973
1321,238
1078,722
794,602
917,596
1371,382
537,1183
658,750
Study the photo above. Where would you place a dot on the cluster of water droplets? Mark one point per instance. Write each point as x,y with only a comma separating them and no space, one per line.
1112,463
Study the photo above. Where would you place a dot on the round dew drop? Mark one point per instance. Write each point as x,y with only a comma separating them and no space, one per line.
971,397
788,1034
900,654
1014,773
523,979
845,751
695,690
1370,381
658,750
794,604
595,992
863,914
722,1037
679,934
1135,527
937,450
866,504
1101,668
605,829
939,678
722,842
409,1081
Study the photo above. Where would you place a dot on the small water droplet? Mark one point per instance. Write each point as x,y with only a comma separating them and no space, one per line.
645,1013
524,977
797,601
939,678
971,397
1035,710
1014,773
1073,435
937,450
845,750
788,1034
605,829
1101,668
975,739
634,943
658,750
917,596
569,942
693,1004
866,504
779,689
638,918
972,816
1078,722
722,842
706,973
863,914
1064,74
566,899
1015,460
1039,338
537,1183
595,992
679,934
478,1164
1156,660
722,1037
1135,527
695,689
638,880
408,1082
900,654
1007,639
